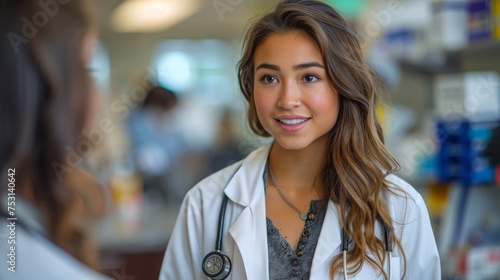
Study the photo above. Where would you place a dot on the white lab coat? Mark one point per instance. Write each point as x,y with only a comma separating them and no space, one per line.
35,256
245,236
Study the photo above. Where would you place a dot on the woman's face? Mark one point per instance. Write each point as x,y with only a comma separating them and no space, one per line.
294,100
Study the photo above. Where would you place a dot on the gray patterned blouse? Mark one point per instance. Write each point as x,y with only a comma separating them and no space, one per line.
284,263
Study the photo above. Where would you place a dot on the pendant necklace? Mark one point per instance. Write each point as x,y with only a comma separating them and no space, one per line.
303,216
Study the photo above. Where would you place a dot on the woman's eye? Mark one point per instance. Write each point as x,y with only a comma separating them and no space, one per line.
268,79
310,78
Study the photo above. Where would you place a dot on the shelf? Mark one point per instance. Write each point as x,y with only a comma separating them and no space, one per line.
449,65
479,48
451,61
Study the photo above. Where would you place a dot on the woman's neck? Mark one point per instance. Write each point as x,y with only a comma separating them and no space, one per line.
297,169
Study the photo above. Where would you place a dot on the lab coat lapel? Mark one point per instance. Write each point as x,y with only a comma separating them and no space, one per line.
329,240
249,229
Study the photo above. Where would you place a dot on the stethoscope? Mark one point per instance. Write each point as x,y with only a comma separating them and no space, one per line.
217,266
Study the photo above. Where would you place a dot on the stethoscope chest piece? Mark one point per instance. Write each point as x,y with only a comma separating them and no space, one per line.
216,265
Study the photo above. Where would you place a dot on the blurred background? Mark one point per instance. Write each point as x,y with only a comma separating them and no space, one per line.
172,113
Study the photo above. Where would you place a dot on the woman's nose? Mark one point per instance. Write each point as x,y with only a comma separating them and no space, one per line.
289,96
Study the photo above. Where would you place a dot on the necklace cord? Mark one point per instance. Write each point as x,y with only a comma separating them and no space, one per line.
302,216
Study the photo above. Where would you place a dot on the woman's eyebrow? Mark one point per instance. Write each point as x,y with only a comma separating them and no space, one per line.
307,65
295,67
268,66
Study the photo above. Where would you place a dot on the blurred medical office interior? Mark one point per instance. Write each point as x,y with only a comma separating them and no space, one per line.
173,114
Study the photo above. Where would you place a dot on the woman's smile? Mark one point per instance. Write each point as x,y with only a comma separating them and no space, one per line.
292,123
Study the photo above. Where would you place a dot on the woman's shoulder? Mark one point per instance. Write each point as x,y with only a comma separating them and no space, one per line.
398,184
402,196
214,184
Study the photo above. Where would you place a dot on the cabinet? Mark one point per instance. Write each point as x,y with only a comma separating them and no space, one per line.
471,217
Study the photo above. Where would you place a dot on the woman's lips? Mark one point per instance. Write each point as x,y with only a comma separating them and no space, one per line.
291,125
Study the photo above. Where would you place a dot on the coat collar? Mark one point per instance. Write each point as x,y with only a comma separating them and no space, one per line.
249,230
247,184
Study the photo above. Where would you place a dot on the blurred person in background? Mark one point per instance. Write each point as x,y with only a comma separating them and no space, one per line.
157,144
47,100
320,202
226,149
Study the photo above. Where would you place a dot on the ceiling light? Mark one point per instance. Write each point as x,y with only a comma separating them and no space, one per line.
151,15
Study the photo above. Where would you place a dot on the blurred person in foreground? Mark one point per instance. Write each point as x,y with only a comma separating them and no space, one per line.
47,101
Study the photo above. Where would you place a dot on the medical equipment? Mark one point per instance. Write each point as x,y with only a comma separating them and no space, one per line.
388,246
217,266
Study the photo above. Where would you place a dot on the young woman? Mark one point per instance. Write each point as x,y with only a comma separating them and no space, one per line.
46,101
321,201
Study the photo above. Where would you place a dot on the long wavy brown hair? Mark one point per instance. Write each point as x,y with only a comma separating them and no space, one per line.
44,106
354,172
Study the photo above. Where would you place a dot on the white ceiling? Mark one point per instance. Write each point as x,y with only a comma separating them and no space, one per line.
131,53
207,23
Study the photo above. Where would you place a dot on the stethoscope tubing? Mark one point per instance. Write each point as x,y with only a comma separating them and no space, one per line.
388,246
222,214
